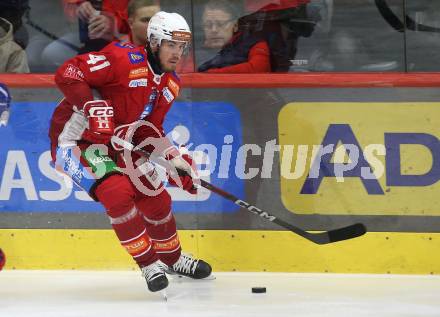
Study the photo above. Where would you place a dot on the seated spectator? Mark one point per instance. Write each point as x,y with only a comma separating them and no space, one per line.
98,23
280,24
139,14
12,57
101,22
13,11
53,39
310,49
239,52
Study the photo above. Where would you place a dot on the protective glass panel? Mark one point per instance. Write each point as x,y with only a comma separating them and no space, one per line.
422,35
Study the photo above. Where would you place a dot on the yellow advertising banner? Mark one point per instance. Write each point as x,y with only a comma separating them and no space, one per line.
360,158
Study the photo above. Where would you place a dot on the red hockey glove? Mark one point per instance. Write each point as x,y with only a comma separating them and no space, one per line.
186,164
2,259
101,124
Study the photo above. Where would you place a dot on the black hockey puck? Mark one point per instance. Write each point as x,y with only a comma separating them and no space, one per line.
258,290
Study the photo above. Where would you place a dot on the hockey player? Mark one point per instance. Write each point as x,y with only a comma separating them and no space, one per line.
136,85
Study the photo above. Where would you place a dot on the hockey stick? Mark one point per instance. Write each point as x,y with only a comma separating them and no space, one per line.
344,233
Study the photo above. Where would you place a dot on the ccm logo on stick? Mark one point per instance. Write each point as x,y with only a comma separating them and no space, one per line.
255,210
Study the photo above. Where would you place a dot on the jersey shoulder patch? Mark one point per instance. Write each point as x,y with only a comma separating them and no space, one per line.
125,52
136,57
126,45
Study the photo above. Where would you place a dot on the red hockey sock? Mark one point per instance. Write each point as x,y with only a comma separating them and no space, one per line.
117,195
166,241
161,226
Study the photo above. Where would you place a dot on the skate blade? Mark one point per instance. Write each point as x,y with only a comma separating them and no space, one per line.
164,295
183,277
209,278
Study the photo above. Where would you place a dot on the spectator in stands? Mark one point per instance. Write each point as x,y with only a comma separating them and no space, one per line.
53,37
280,23
101,22
139,14
239,52
12,57
311,49
13,11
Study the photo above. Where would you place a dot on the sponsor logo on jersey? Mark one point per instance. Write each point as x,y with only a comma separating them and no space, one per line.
71,165
143,82
136,57
73,72
167,94
147,110
124,45
100,159
149,106
174,87
138,72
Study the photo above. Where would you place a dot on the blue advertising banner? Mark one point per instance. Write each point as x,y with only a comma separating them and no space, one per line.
210,131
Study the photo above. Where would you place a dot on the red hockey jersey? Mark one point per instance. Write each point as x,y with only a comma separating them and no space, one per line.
121,74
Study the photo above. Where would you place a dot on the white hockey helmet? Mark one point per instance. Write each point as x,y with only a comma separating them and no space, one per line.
168,26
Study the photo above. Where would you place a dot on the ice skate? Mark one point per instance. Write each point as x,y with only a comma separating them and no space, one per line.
188,266
155,276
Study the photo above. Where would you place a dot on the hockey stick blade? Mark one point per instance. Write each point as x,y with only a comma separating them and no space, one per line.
325,237
345,233
349,232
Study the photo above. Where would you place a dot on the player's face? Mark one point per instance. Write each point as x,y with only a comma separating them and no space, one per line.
170,53
218,27
139,23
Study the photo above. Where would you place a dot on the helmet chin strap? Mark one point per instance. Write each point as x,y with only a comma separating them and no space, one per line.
153,58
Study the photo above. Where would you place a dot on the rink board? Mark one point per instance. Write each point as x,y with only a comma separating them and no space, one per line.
46,226
401,121
229,250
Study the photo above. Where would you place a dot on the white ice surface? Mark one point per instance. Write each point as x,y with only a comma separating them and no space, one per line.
124,294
